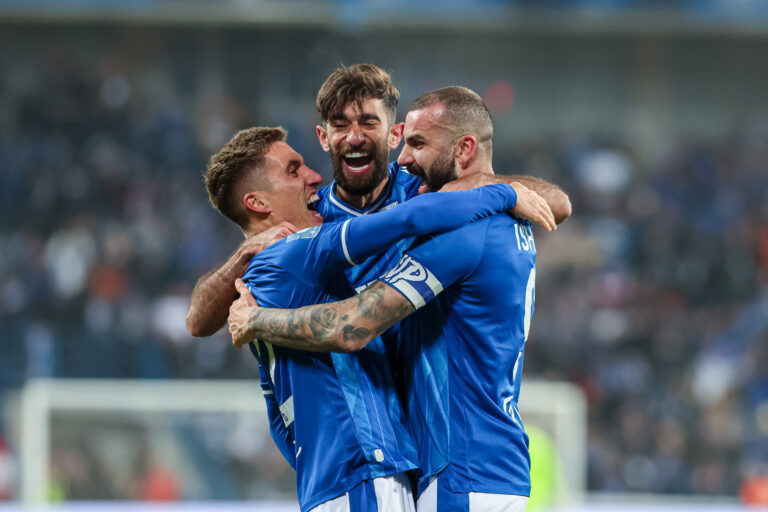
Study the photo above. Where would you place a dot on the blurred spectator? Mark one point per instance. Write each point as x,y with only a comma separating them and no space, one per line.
653,296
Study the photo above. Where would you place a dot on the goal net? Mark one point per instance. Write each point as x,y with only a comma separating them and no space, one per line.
203,441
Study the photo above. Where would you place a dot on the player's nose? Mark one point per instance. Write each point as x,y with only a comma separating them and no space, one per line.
355,136
312,178
406,157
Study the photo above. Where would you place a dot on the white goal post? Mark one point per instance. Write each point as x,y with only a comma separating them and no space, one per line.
557,408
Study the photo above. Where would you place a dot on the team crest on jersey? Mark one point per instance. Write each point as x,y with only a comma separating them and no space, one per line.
304,233
414,281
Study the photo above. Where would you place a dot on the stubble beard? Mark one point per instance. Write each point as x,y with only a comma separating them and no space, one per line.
442,171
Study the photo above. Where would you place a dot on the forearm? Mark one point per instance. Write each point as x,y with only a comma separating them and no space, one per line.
343,326
558,200
211,298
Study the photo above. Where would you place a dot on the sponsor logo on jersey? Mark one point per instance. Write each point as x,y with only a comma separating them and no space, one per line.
414,281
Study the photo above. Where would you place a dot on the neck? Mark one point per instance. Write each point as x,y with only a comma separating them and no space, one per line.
361,202
259,226
475,168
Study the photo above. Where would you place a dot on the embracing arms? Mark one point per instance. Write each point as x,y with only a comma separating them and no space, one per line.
343,326
214,292
557,200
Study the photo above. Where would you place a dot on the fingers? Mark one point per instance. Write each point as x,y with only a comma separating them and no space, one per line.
533,207
245,294
288,226
241,288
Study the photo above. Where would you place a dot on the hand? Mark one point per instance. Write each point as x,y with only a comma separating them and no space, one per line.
533,207
468,182
239,312
257,243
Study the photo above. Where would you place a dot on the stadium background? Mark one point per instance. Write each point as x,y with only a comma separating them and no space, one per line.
652,298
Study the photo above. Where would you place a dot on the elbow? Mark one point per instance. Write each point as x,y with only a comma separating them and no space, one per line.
196,328
353,339
562,208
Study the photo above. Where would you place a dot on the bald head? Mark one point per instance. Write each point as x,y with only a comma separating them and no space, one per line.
463,113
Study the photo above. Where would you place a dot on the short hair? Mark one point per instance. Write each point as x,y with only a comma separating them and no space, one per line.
464,111
357,83
241,157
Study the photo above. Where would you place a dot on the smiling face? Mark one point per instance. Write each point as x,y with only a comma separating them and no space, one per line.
359,138
293,187
428,149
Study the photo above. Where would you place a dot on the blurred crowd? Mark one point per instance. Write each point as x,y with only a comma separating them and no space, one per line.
653,297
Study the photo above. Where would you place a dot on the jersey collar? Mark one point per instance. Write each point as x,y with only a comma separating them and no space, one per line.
374,206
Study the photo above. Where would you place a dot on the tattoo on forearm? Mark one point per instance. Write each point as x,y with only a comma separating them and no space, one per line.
352,334
327,327
322,321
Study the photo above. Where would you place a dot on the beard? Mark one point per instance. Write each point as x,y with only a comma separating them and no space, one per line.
361,184
442,171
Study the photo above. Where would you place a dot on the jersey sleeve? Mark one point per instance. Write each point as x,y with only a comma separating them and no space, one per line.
310,256
364,236
428,268
280,433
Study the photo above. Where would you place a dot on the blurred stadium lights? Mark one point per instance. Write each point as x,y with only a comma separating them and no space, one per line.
508,16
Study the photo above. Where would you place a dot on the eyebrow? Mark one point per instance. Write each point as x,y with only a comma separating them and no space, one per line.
364,116
413,139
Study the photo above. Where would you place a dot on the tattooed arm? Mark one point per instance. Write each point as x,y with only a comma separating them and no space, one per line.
343,326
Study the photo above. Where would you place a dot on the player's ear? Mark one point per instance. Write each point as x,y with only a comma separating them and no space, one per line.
256,202
322,136
395,135
464,149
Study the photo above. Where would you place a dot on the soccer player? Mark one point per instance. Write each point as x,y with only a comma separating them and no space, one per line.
472,291
333,416
358,105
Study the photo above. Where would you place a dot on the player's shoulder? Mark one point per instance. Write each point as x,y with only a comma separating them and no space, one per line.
282,252
465,242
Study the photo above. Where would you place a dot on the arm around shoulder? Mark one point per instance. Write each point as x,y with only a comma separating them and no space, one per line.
215,291
558,200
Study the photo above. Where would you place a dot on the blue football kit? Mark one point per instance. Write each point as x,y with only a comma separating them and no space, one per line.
335,417
474,289
400,187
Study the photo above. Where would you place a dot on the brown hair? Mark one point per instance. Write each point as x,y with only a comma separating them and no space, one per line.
464,111
240,157
357,83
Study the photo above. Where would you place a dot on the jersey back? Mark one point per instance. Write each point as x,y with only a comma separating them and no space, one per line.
464,352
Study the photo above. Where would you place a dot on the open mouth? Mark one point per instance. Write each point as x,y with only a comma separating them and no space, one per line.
314,198
312,206
358,162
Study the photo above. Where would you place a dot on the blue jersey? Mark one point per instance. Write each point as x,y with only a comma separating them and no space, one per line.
464,347
400,187
335,417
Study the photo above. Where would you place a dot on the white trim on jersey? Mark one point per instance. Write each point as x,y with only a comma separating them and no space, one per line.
342,206
344,243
